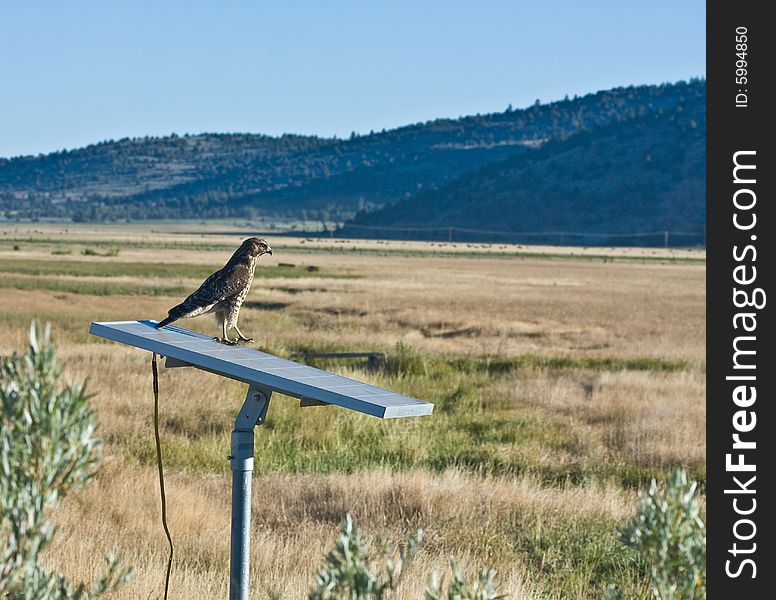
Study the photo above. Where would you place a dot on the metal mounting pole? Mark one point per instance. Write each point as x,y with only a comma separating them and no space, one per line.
252,413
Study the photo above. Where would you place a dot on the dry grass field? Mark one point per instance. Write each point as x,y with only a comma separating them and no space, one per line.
563,380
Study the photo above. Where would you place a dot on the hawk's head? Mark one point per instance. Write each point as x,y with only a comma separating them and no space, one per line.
256,247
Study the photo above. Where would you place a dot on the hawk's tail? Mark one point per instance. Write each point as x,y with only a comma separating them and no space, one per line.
175,313
165,321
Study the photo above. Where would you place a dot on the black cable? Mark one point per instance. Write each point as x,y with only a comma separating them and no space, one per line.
162,493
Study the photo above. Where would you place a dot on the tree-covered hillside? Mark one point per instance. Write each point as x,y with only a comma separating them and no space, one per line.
216,175
638,176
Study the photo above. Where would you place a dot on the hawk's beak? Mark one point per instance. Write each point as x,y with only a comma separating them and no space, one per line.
269,251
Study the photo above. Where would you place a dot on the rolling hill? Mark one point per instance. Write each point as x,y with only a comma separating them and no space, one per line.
218,175
638,176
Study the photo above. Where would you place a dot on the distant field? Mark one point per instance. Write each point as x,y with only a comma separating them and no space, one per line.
223,236
97,268
561,384
128,278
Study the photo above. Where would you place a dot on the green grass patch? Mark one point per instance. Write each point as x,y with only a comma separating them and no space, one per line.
93,288
407,361
465,432
87,268
577,558
91,252
591,363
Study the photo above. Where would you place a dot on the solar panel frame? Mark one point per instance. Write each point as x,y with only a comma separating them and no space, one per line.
259,368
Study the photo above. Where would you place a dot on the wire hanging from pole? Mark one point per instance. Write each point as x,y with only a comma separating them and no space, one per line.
162,493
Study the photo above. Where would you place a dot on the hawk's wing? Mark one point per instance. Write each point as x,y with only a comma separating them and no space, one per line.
221,285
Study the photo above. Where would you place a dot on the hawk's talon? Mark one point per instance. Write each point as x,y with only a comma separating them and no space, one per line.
226,341
245,339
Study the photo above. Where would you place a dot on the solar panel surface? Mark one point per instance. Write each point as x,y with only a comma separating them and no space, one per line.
265,370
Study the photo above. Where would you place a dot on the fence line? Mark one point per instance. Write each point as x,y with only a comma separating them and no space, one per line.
523,233
665,235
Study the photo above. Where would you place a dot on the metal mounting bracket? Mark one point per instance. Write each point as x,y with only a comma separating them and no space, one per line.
254,409
172,363
304,402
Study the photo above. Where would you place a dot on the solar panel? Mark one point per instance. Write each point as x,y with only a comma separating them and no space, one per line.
252,366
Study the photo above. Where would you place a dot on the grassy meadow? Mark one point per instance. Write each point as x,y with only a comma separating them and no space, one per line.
563,380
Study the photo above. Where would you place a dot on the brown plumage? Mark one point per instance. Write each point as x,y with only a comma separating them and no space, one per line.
224,291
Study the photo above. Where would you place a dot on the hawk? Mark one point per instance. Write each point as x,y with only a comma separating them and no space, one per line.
224,291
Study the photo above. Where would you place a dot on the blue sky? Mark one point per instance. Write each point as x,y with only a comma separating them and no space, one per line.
77,72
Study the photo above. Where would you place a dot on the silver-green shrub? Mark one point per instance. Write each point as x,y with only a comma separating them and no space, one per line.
347,573
668,530
47,449
484,587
